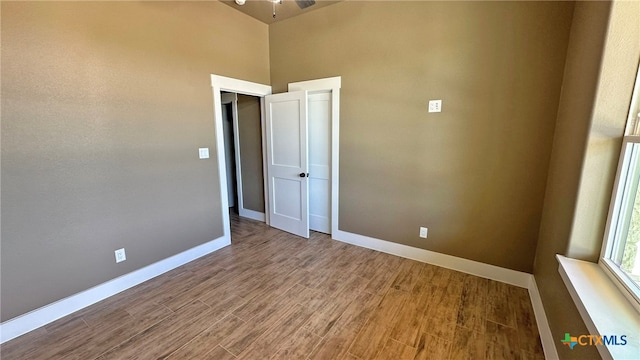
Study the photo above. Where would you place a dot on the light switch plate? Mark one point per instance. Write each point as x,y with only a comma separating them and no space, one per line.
204,153
435,106
120,255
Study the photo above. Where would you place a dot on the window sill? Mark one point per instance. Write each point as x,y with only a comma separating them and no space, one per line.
604,309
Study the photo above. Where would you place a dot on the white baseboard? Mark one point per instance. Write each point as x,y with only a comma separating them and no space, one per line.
513,277
32,320
546,337
252,214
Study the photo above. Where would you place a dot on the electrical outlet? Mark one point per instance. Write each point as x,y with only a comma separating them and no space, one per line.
423,232
435,106
203,153
120,255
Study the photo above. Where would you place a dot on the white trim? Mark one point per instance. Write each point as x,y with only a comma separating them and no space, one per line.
32,320
239,86
219,84
332,84
237,155
513,277
265,183
603,308
317,84
546,337
252,214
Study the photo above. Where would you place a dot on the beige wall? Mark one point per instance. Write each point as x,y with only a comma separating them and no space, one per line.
104,105
250,135
574,118
610,110
474,174
602,61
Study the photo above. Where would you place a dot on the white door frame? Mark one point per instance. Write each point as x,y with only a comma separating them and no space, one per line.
222,83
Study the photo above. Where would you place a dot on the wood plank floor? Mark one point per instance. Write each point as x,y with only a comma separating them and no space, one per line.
272,295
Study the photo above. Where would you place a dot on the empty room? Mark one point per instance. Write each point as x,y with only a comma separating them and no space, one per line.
300,179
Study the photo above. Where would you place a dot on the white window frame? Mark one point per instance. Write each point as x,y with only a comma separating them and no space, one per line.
625,182
619,205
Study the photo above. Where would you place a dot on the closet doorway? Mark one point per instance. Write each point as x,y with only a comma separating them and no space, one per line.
313,152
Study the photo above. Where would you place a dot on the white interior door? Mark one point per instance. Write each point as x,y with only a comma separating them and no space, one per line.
287,161
320,162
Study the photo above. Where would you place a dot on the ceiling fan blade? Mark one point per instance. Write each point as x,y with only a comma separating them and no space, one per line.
303,4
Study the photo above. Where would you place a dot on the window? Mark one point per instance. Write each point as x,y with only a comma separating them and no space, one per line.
621,248
621,254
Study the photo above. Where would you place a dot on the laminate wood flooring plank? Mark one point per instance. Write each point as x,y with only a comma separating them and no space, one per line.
258,303
500,308
322,320
501,341
242,337
106,318
366,265
61,335
268,344
425,278
389,307
525,355
432,347
87,343
198,286
381,281
165,290
441,316
408,322
407,275
203,343
394,350
218,353
473,303
468,345
19,347
105,339
370,340
358,311
528,335
298,346
165,337
496,351
374,334
334,345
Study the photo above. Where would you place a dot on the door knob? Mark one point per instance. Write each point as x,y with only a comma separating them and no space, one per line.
304,175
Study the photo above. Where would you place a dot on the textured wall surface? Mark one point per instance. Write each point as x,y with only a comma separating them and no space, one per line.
104,107
602,61
474,174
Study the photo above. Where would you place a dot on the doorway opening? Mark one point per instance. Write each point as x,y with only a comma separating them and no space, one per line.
330,87
242,132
